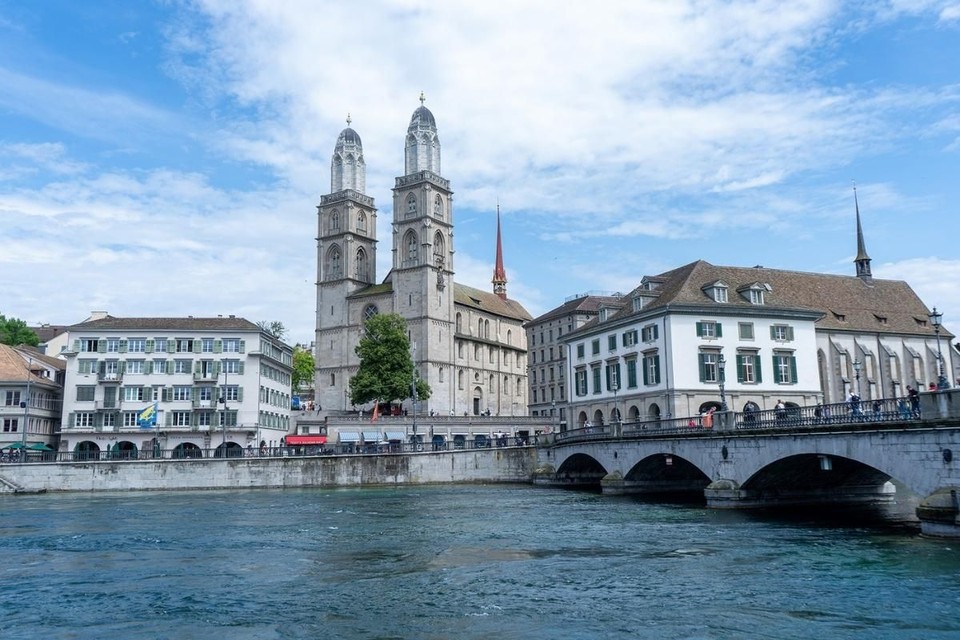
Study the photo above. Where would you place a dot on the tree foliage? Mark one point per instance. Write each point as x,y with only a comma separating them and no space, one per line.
303,369
14,331
275,328
386,367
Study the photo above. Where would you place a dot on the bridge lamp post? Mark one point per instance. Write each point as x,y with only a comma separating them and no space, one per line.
936,319
722,378
857,366
413,387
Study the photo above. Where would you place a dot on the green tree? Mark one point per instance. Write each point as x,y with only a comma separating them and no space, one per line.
303,368
14,331
386,367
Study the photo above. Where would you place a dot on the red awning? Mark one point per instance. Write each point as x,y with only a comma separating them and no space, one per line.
295,440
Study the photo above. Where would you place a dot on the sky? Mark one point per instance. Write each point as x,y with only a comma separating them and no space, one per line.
166,158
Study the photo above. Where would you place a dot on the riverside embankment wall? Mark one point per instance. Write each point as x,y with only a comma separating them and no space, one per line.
511,465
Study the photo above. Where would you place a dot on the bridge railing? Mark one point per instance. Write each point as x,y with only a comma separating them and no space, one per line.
788,418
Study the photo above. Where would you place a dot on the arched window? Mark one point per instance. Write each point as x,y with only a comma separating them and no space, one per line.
362,265
506,385
410,248
334,221
509,336
369,311
486,329
459,322
438,250
480,328
492,384
440,374
334,263
362,221
460,379
460,349
411,205
438,206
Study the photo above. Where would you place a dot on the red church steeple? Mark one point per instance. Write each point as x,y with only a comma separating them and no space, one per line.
499,273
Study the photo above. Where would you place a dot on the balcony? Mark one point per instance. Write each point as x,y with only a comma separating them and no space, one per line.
109,378
205,376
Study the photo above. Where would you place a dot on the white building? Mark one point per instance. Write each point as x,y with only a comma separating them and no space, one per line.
219,385
31,387
469,345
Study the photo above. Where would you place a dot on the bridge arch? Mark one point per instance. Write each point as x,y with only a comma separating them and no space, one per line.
580,470
663,474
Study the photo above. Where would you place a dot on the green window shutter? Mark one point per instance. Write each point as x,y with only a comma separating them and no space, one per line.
169,419
243,346
122,367
756,368
218,346
700,330
171,346
656,332
606,374
148,367
217,369
775,374
149,346
240,370
240,394
167,394
101,346
72,420
793,370
98,420
646,375
773,332
719,330
740,373
194,419
76,346
703,367
123,346
197,346
656,369
169,366
196,367
789,333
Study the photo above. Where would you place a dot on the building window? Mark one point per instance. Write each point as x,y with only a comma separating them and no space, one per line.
612,342
629,338
86,393
580,350
160,345
369,311
708,366
137,345
720,294
595,347
183,366
631,374
113,345
748,368
231,345
784,368
411,205
650,333
596,380
181,419
181,393
581,376
206,345
781,333
130,419
361,221
136,366
651,369
334,221
89,345
11,425
756,296
746,330
438,206
12,399
184,345
83,419
613,376
709,329
638,303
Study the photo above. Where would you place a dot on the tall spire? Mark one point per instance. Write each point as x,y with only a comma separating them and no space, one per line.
499,273
862,261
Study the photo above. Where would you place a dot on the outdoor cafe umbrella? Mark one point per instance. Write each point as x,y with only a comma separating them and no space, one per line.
39,446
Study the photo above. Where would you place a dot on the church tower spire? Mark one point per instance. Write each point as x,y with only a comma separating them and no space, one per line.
862,261
499,273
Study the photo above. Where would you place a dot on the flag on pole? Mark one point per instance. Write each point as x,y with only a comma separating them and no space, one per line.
376,412
147,419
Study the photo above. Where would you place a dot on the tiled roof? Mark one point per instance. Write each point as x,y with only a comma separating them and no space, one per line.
489,302
847,303
111,323
583,304
13,365
48,332
486,301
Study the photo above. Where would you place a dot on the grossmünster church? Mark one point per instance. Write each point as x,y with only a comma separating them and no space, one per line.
468,344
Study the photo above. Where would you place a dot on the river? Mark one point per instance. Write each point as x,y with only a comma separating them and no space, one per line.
461,562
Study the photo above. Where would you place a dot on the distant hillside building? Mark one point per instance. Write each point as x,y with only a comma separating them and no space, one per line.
469,345
768,334
547,361
190,387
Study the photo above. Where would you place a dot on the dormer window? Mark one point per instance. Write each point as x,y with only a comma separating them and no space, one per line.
604,313
756,296
720,294
754,293
880,319
839,316
638,302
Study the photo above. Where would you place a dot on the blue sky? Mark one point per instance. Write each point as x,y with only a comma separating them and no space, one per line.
166,158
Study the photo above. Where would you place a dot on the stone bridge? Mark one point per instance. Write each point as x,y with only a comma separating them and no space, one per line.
826,455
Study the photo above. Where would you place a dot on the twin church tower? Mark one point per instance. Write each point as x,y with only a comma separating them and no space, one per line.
468,344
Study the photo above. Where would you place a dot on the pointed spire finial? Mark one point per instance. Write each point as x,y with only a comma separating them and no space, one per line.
349,119
862,261
499,273
423,98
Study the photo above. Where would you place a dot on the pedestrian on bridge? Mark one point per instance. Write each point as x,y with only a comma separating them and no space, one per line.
914,397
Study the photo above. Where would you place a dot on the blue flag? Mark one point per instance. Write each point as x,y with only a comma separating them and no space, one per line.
147,419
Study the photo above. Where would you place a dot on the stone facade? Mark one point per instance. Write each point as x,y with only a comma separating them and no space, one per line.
468,344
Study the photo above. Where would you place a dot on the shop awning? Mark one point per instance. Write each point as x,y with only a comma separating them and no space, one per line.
297,440
349,436
371,436
399,436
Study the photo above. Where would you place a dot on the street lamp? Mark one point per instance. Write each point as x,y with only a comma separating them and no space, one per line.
26,411
413,386
936,319
722,378
615,386
857,366
223,412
